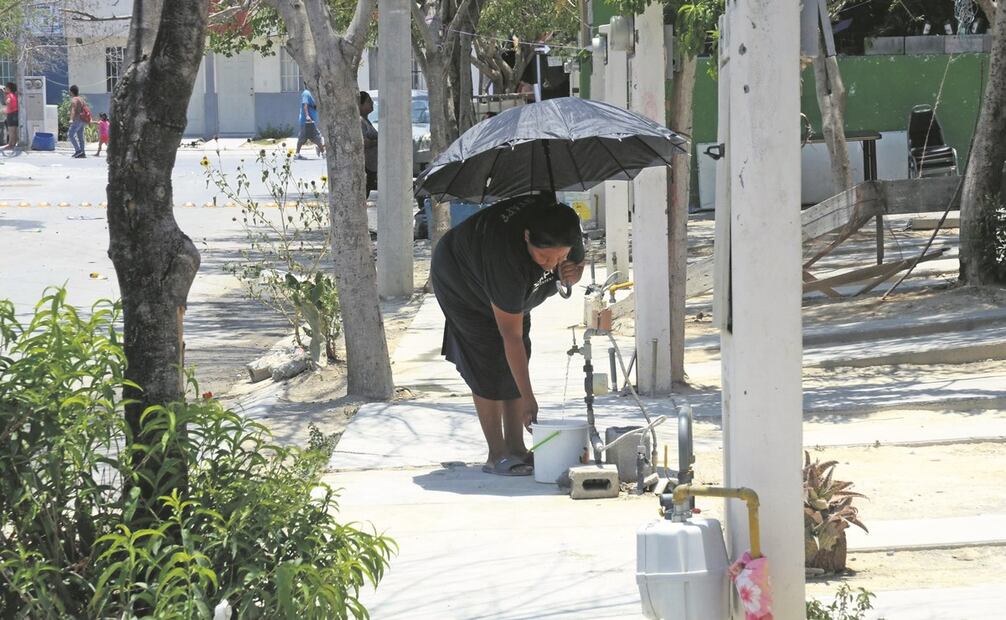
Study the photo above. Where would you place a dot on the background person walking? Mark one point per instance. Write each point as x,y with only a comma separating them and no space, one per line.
11,109
308,120
369,141
103,126
78,110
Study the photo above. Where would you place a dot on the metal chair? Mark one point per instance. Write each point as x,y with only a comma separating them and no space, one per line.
928,153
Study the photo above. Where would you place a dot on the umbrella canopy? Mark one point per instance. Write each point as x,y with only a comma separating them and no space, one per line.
565,144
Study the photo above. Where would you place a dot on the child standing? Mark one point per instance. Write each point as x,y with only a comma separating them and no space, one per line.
102,131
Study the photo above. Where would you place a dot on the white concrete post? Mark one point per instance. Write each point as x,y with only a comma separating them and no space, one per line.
394,156
649,215
616,193
762,412
597,91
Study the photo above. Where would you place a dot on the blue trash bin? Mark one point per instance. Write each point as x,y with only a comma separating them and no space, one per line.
460,211
43,141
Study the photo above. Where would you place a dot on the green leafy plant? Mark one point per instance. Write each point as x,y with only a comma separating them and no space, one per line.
252,524
827,513
317,301
288,240
279,132
847,605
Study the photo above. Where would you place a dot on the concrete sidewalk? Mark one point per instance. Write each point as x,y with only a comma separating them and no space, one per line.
479,546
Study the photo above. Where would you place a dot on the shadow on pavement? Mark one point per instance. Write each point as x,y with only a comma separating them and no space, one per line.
464,479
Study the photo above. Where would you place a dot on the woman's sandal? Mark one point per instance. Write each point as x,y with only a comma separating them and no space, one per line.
509,466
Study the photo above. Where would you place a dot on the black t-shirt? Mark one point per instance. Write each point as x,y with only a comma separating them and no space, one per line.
485,261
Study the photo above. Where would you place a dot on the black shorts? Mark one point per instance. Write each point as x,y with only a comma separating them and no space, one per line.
11,120
309,133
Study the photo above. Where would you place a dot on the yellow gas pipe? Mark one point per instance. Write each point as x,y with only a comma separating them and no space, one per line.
683,491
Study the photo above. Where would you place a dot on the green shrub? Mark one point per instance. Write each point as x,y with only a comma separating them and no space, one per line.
846,606
280,132
288,240
253,525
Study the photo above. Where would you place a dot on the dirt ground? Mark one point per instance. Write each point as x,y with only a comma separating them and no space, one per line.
911,570
908,482
319,398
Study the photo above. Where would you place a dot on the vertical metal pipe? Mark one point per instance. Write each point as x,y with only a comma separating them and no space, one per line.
614,369
653,368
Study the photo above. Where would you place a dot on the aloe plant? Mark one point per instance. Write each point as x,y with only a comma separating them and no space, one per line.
827,512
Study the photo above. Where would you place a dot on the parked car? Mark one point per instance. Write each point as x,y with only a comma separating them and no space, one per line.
420,128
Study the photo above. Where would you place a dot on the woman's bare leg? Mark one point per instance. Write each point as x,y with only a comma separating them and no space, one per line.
490,414
513,427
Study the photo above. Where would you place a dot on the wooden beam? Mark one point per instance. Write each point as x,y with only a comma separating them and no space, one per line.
873,271
859,203
830,292
932,194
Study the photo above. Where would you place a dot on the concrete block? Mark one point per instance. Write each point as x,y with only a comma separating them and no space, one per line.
259,370
966,43
929,223
928,44
877,46
594,481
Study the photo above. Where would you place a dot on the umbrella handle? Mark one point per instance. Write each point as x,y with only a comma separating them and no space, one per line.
565,290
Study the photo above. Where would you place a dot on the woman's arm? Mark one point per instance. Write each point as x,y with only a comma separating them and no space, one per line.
511,327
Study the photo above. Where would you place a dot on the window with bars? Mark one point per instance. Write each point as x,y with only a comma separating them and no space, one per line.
289,73
8,70
418,79
114,57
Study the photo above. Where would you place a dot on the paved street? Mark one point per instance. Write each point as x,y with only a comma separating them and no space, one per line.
54,177
55,246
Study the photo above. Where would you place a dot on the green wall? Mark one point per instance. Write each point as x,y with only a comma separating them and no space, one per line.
881,92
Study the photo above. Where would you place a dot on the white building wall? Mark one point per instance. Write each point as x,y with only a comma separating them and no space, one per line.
196,112
267,73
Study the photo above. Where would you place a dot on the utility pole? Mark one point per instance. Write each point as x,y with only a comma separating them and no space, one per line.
394,155
649,216
616,193
759,286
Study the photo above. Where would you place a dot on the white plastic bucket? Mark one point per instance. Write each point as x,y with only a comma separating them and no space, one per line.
555,456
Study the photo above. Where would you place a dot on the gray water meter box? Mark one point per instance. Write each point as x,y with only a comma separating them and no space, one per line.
624,454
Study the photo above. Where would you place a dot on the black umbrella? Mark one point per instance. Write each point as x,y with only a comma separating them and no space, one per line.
565,144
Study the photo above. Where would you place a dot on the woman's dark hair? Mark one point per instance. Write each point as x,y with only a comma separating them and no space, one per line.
12,87
553,225
73,90
364,97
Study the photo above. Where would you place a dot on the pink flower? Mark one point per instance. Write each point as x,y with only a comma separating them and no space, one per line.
750,598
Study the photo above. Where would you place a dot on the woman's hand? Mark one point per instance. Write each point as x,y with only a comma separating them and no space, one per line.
570,272
529,411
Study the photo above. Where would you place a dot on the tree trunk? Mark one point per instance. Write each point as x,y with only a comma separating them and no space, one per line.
679,181
367,360
990,9
329,63
983,222
155,262
443,131
831,560
831,100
